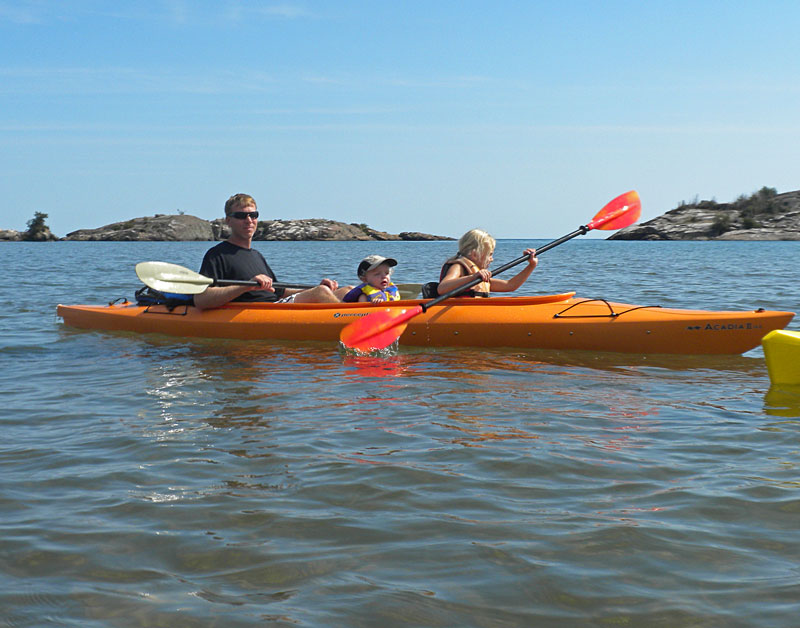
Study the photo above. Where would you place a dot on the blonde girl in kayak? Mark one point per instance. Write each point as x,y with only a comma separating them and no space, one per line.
475,254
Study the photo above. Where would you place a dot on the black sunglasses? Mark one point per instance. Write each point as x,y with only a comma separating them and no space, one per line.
243,215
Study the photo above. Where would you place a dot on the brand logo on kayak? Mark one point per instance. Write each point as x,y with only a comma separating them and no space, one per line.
725,326
343,315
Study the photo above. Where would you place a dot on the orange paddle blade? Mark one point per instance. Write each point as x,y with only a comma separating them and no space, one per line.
377,330
618,213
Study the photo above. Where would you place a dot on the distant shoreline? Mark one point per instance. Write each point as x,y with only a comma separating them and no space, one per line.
188,228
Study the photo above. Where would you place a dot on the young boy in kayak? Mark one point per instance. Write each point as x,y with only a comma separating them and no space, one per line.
376,285
475,254
235,258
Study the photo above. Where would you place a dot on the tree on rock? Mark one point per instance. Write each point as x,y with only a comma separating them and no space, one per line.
37,229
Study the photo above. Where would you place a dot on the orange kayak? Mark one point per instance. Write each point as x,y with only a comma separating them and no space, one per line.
558,321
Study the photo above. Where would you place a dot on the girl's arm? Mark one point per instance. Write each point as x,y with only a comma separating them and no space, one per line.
454,279
509,285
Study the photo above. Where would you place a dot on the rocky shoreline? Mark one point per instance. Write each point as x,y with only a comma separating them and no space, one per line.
766,215
184,227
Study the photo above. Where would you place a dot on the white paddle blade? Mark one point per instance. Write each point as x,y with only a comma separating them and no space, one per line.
409,290
166,277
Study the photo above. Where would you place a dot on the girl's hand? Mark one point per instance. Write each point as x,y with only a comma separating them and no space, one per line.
484,273
532,259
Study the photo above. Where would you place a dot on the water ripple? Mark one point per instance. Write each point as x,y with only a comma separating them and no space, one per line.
152,481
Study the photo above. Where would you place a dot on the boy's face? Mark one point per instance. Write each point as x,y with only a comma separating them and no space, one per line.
379,277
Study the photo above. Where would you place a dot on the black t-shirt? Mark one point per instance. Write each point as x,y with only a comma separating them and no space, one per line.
228,261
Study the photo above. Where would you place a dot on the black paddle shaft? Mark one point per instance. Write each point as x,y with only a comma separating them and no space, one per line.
582,230
299,286
250,282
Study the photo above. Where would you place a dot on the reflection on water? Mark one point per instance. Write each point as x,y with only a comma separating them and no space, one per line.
376,366
783,400
468,397
254,383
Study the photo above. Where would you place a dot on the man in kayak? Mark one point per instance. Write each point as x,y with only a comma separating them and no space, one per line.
234,258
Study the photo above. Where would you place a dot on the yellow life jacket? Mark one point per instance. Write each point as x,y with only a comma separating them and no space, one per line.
376,295
479,290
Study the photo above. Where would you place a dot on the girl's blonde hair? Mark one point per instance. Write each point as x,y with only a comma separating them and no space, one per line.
476,240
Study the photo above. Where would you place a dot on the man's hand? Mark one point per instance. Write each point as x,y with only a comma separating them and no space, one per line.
264,283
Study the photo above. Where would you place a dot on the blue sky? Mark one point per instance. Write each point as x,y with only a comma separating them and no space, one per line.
523,118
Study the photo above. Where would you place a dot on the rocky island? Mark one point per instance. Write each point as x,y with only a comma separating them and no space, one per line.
184,227
765,215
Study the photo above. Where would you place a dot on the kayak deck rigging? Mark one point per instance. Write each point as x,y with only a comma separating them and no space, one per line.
611,313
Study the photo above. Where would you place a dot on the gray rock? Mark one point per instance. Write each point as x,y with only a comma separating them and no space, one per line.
185,227
777,218
10,235
172,228
309,229
44,235
416,236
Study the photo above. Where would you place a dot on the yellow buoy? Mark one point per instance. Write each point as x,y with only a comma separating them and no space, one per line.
782,352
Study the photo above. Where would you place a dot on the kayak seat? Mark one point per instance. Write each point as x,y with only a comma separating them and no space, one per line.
430,290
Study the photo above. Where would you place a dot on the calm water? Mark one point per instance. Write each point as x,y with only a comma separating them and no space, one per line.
151,481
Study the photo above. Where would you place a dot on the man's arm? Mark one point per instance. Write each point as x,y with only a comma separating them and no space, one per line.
214,296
